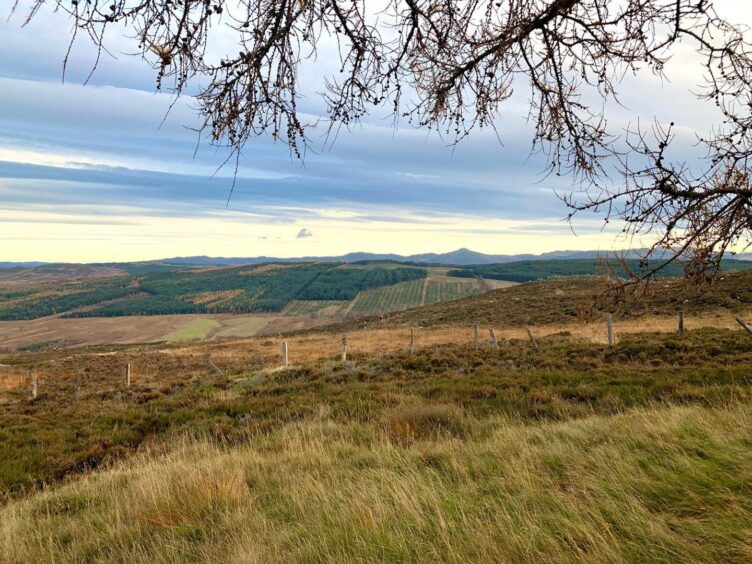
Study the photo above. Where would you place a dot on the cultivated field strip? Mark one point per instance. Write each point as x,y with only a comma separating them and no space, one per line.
314,307
442,290
391,298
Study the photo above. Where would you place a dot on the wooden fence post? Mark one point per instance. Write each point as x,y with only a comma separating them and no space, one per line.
494,342
128,375
746,327
344,348
532,339
285,361
681,323
33,386
412,340
610,327
475,336
77,392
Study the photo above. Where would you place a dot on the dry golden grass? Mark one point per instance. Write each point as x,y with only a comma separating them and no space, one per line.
267,268
668,484
11,378
206,297
317,346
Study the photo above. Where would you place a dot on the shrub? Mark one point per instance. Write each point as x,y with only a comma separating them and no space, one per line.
407,423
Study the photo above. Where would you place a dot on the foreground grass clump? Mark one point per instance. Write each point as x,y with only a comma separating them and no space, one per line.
666,483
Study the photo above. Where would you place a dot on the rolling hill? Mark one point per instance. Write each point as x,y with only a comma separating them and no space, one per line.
564,300
459,257
245,289
452,452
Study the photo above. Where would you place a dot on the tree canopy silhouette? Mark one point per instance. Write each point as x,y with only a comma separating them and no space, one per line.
449,66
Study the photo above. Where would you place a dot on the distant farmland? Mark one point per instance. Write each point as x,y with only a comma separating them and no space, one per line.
393,298
211,303
265,288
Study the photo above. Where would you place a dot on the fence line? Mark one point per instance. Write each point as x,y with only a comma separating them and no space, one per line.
229,357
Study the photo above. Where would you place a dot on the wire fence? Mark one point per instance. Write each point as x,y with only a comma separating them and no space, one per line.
145,367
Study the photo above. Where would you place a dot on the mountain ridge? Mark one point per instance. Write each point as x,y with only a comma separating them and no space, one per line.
458,257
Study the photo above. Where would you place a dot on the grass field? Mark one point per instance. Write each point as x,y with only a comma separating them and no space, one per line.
319,307
442,290
564,453
197,329
392,298
653,485
243,327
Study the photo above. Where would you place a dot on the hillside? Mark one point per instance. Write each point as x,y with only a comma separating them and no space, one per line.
529,270
261,288
459,257
561,453
215,303
216,450
574,299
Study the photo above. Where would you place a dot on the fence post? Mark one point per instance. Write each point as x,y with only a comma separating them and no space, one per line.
494,342
128,375
746,327
344,348
77,392
681,323
532,339
412,340
33,386
475,336
285,362
610,327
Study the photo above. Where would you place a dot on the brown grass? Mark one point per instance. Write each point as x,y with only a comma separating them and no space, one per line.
407,423
660,485
316,346
206,297
267,268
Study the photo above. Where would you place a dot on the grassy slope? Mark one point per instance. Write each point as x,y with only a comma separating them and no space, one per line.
57,435
567,300
197,329
526,271
573,452
657,485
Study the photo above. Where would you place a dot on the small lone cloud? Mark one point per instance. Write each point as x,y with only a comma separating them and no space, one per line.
304,233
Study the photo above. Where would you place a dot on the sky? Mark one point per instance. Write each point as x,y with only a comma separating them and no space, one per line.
89,173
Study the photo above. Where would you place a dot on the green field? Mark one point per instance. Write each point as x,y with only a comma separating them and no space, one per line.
196,329
243,327
442,290
392,298
327,307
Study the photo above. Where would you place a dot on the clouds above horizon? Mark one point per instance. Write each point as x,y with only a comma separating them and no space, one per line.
88,171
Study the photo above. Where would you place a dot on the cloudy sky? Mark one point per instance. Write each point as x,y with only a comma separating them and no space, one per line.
87,173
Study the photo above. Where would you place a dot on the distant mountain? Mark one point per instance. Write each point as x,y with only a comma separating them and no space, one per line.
460,257
20,264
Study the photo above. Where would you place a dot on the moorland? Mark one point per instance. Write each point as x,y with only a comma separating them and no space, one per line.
567,449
